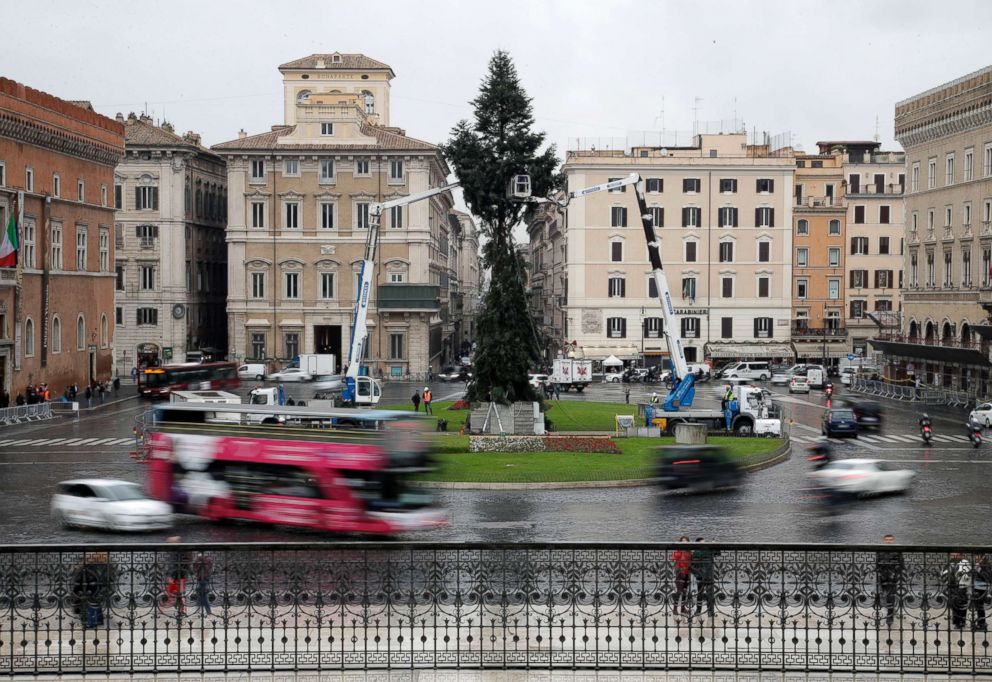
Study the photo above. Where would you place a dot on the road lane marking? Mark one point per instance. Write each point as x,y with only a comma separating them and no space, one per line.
104,441
73,441
906,439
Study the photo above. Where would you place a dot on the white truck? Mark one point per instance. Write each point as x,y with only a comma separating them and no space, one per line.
317,365
204,397
756,414
568,373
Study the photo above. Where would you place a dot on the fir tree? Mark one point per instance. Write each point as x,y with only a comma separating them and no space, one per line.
485,155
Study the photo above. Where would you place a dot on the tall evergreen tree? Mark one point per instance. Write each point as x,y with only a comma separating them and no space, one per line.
485,154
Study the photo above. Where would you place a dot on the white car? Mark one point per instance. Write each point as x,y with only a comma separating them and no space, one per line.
289,374
982,414
612,377
799,385
537,381
108,504
864,477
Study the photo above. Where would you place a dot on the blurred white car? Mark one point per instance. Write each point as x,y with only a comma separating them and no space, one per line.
799,385
110,504
781,378
612,377
289,374
982,414
864,476
537,381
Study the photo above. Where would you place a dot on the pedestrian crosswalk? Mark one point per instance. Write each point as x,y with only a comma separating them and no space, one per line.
63,442
878,439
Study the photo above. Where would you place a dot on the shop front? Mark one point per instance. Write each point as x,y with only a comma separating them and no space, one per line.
148,354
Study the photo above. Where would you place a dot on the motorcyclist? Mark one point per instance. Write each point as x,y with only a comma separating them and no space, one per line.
821,454
924,420
973,424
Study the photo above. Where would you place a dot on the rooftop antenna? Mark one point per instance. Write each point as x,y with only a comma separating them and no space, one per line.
695,115
878,137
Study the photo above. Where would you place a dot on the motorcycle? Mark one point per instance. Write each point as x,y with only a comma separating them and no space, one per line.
829,390
975,435
926,433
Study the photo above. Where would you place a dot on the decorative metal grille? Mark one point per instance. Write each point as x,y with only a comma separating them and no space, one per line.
147,608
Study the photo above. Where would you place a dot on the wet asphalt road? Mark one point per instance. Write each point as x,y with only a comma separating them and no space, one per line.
949,502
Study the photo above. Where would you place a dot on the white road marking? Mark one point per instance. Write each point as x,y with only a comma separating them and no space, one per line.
907,439
87,441
73,441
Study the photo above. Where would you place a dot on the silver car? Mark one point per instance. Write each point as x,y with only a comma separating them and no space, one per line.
109,504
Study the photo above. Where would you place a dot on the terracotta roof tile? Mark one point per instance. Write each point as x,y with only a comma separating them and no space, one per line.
269,141
140,133
347,62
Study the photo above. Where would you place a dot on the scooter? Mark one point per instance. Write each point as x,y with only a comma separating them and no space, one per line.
926,433
829,390
975,435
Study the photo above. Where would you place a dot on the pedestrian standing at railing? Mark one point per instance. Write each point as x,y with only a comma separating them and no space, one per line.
682,558
19,401
889,568
704,570
175,582
981,581
957,578
203,569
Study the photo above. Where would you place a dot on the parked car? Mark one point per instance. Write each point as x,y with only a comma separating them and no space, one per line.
839,422
781,377
864,477
109,504
696,467
290,374
747,370
537,381
982,414
454,373
867,413
799,385
612,377
252,370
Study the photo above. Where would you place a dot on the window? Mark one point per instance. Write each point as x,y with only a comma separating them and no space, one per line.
258,214
118,196
56,334
397,278
617,190
56,185
81,239
883,215
762,327
618,287
948,269
690,185
859,279
326,215
147,316
396,343
654,185
859,215
258,169
29,337
930,220
146,198
931,173
362,215
859,246
764,251
652,327
258,285
802,257
834,228
689,288
291,281
799,195
362,167
616,327
690,252
80,191
949,169
147,276
327,285
692,216
931,270
966,210
326,170
987,160
56,246
726,327
258,345
103,195
104,331
883,279
396,170
28,250
690,327
618,216
948,216
616,252
291,167
833,257
764,285
119,315
916,177
120,278
764,217
969,164
727,287
29,179
726,252
727,217
802,227
326,128
396,217
802,288
858,309
291,344
104,249
657,216
986,266
764,186
728,185
914,279
833,289
987,211
652,288
883,305
883,246
915,222
292,215
3,177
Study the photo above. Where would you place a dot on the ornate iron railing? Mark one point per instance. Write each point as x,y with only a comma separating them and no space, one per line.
138,608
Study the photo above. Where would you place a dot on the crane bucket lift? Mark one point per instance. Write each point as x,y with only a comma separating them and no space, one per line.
359,388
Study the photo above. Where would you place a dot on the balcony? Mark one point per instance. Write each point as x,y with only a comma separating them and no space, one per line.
818,202
872,189
817,333
409,297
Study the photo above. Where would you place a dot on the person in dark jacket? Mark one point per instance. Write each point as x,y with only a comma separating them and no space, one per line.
889,568
981,581
203,569
682,563
175,579
416,401
704,570
957,577
93,587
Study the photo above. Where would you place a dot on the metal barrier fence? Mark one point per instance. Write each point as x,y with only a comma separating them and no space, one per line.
25,413
926,395
153,608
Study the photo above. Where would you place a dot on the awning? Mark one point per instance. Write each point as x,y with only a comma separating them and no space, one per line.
613,361
960,356
744,351
812,350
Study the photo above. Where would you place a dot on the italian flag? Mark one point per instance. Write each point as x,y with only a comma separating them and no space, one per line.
8,245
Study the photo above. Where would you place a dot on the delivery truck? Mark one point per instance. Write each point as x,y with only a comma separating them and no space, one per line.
568,373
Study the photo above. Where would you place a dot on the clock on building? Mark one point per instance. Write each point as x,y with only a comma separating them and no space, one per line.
178,310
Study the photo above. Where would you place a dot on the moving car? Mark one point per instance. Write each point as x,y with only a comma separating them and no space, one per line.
110,504
454,373
866,412
537,381
612,377
290,374
747,370
864,477
782,376
839,422
799,385
982,414
252,370
696,467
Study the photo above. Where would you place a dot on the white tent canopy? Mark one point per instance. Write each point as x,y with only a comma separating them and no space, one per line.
613,361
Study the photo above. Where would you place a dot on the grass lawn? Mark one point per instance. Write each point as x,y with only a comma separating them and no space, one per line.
637,461
565,415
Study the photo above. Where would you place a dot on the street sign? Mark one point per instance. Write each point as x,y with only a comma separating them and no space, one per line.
850,356
167,352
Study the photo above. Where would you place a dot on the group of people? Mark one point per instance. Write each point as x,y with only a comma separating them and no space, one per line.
41,393
427,399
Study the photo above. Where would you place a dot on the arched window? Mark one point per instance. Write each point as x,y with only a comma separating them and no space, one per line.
56,334
369,102
802,227
80,332
303,97
29,337
104,332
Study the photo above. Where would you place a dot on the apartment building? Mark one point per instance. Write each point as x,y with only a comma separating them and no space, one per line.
468,275
170,194
57,162
546,235
820,217
724,213
298,216
947,134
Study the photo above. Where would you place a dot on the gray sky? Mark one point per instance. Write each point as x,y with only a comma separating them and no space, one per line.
818,69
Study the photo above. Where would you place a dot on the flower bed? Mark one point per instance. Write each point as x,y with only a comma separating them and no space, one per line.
581,444
584,444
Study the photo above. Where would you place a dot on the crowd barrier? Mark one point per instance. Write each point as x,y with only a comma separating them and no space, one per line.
25,413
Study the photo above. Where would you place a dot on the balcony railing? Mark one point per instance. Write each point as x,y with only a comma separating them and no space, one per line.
818,202
157,607
890,189
947,342
819,332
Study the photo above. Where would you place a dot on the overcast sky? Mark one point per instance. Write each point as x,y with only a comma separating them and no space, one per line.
594,69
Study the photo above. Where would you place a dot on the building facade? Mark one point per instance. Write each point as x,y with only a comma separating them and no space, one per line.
298,216
818,266
546,234
947,134
170,194
468,273
724,212
57,305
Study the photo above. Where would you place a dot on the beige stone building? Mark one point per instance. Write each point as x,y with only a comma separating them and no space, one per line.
724,214
299,201
947,134
170,196
468,278
546,235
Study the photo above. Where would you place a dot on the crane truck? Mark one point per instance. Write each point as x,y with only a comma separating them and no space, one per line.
755,413
359,388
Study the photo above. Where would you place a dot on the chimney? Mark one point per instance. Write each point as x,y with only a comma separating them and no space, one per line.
120,117
131,118
242,134
320,62
192,137
145,118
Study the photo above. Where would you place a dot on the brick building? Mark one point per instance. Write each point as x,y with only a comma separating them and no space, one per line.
57,305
